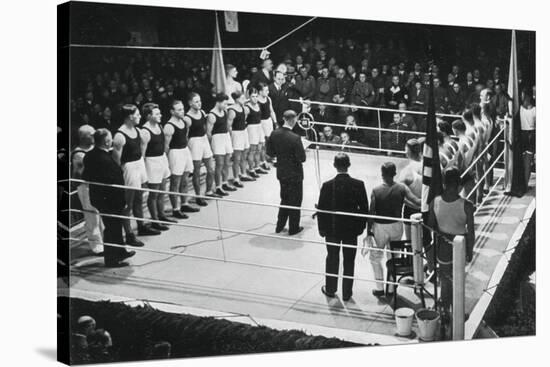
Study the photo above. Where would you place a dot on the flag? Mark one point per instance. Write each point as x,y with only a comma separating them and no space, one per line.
431,169
513,175
231,21
217,71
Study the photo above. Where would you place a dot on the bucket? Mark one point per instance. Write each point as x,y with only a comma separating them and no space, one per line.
428,323
404,320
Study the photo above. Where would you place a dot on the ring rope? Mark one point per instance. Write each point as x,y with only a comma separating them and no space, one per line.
161,48
370,128
488,195
252,264
370,108
360,147
480,181
313,210
480,155
289,33
235,231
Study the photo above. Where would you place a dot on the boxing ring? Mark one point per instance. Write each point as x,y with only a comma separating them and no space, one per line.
226,260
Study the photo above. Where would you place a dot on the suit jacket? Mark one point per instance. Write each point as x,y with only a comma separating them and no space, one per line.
419,97
287,147
346,194
99,166
279,99
260,77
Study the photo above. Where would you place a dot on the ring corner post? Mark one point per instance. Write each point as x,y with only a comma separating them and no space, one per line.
417,247
459,262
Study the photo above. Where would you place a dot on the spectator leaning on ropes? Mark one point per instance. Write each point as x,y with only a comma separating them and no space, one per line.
451,215
386,200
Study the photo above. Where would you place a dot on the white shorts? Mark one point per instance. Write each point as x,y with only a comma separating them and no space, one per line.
384,233
221,144
157,168
267,127
255,134
200,148
180,161
239,139
134,173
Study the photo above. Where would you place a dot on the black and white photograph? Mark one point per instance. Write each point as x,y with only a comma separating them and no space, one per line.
236,181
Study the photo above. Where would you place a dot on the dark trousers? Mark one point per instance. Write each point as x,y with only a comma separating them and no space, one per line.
291,194
112,234
333,263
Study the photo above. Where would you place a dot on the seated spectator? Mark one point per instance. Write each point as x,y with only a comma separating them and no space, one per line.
85,326
351,128
362,93
305,84
419,97
327,136
407,120
450,81
99,346
378,82
344,86
395,93
456,100
469,84
326,87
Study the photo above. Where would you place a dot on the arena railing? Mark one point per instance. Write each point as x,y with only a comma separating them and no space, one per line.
306,104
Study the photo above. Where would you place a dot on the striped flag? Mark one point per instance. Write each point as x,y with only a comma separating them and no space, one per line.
231,21
217,71
513,176
431,169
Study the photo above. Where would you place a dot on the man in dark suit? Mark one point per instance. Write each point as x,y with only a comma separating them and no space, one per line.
265,75
99,166
278,92
344,194
287,147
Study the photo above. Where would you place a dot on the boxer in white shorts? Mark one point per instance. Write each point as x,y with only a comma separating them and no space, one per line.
199,147
127,151
179,159
156,164
236,118
254,130
268,119
92,221
222,147
386,200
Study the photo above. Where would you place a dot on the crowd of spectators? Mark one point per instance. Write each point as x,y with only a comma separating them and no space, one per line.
90,344
333,71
